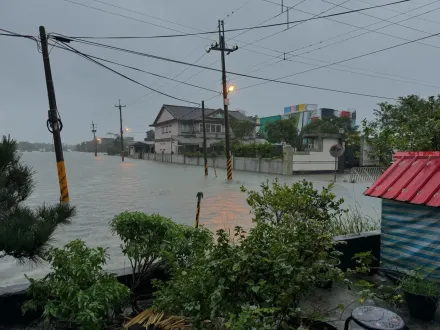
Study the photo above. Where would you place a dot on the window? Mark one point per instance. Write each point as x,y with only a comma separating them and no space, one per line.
211,128
162,129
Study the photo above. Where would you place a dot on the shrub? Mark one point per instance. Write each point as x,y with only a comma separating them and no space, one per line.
300,201
255,150
273,266
77,291
144,237
25,233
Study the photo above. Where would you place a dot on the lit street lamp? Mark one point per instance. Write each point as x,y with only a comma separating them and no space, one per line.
231,88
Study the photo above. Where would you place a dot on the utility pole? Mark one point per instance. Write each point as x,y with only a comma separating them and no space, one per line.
54,123
221,46
93,126
122,131
205,152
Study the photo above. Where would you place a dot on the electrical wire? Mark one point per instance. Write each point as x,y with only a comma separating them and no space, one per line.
351,58
368,25
150,73
282,56
244,28
122,75
234,73
178,74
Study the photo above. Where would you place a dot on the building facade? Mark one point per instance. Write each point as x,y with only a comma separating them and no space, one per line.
179,129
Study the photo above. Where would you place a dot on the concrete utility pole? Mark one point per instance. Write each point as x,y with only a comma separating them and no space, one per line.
221,46
205,152
54,123
93,126
122,131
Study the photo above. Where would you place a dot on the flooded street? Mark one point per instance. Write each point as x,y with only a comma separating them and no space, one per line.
102,187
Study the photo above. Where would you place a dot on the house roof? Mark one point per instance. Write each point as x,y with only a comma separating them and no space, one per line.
414,178
194,113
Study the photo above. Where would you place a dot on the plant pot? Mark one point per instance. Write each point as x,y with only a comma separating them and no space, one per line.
324,284
320,325
294,323
421,307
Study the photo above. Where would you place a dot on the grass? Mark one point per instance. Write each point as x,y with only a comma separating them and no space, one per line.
420,286
355,222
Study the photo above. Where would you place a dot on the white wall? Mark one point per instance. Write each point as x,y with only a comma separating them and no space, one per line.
316,161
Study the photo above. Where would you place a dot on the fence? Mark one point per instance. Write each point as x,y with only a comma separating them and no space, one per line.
365,174
262,165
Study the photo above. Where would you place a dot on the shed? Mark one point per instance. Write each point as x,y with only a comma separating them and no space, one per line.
410,226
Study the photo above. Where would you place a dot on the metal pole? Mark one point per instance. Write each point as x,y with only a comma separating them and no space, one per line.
205,152
54,123
225,99
199,197
336,167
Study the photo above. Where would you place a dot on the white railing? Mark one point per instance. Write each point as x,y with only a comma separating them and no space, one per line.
365,174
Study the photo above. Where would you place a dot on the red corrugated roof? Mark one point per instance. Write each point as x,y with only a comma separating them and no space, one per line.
414,178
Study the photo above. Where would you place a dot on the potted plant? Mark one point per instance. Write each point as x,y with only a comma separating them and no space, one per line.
421,295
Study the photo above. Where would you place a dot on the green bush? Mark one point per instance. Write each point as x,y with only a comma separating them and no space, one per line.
77,291
299,201
271,267
193,154
144,237
255,150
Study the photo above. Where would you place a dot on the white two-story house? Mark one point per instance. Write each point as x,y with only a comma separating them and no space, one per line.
179,128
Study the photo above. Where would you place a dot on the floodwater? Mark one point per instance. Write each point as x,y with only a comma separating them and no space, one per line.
102,187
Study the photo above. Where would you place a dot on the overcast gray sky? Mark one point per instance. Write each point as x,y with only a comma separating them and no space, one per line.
86,92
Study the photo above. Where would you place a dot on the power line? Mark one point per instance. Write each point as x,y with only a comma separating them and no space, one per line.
178,74
122,75
365,26
299,55
150,73
241,29
229,72
352,58
283,54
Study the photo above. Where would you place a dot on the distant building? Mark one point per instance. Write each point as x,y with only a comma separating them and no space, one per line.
179,129
304,114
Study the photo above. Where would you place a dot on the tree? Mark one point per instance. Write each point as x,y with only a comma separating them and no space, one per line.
242,128
150,135
24,232
285,130
412,124
330,125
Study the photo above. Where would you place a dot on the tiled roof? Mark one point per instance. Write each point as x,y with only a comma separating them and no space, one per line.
190,113
414,178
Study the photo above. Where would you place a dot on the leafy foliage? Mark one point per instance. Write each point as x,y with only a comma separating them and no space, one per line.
255,150
413,124
300,201
418,284
242,128
329,125
24,232
150,135
143,237
272,267
243,276
285,130
77,290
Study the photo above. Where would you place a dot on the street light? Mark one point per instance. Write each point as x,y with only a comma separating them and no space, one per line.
126,129
231,88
